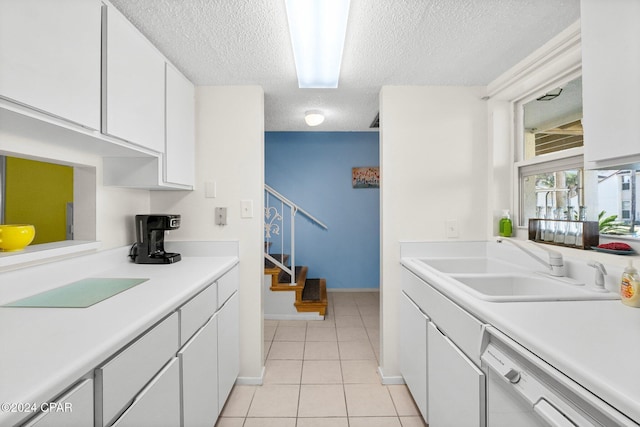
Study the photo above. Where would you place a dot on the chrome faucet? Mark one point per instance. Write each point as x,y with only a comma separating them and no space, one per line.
600,273
555,263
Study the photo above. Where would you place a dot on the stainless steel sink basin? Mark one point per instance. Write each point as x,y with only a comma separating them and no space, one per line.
509,287
470,265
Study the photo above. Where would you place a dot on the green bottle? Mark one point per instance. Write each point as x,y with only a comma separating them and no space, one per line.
505,227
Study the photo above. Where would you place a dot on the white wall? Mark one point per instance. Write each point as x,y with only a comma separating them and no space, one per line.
434,158
229,152
101,213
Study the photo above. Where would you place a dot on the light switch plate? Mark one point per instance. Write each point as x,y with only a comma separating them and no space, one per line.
246,209
451,226
210,189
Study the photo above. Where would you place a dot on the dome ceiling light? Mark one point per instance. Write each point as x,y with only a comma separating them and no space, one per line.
313,117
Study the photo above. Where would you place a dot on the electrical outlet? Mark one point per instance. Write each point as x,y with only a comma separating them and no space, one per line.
451,226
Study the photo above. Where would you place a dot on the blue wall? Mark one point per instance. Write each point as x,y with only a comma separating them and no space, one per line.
313,169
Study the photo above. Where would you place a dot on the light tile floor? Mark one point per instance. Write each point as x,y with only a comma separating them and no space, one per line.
324,374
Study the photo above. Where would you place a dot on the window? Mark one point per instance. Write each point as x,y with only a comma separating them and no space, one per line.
552,122
626,182
550,169
548,186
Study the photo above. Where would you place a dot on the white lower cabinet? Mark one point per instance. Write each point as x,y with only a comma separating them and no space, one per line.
456,386
72,409
413,351
158,404
210,358
199,366
228,347
440,368
154,380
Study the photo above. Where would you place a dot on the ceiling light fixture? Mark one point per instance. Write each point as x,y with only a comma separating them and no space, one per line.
317,29
313,117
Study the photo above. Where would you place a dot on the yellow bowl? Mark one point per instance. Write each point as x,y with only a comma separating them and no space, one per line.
16,237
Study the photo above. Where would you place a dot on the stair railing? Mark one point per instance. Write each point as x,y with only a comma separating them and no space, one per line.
275,225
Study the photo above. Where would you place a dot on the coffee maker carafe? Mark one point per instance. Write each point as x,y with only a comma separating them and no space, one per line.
149,248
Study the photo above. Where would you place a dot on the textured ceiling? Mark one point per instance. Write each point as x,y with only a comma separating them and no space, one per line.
389,42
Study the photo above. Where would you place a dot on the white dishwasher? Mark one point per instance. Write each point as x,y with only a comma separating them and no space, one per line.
525,391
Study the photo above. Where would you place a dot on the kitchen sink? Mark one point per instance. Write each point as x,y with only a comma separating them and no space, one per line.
509,287
470,265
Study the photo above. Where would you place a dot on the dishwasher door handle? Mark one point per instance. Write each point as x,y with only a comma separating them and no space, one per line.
551,414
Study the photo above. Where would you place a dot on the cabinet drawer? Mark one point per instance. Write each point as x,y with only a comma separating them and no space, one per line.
158,404
461,327
227,285
72,409
122,378
196,312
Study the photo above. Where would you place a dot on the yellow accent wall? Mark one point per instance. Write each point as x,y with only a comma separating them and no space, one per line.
37,193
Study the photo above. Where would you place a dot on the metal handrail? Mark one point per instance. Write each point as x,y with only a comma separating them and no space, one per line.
295,206
272,214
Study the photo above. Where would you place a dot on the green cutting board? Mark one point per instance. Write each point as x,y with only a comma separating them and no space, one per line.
80,294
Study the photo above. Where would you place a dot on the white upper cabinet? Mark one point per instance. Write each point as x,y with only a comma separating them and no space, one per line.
133,85
611,86
50,57
179,156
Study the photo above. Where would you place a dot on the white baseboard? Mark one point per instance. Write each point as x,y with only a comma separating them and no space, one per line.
353,289
251,380
298,316
389,380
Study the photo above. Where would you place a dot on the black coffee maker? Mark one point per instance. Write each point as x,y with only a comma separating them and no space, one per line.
149,249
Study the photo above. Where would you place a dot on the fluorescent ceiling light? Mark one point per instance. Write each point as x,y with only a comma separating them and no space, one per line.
313,117
317,29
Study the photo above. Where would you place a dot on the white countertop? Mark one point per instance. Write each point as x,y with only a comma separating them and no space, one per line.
45,350
595,343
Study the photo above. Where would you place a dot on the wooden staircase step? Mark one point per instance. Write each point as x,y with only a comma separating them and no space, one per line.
282,281
311,294
311,290
313,297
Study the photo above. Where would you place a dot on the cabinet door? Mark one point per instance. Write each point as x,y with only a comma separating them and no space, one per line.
610,69
413,351
456,387
73,409
134,85
158,404
179,158
50,56
199,366
228,348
